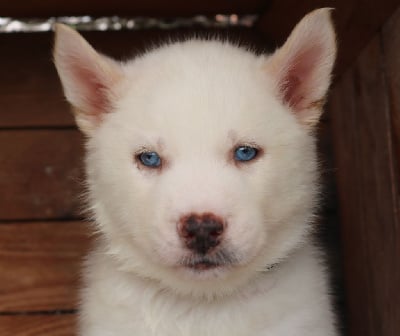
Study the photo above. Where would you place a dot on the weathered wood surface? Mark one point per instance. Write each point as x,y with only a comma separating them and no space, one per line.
41,174
362,135
38,8
40,265
29,91
356,21
38,325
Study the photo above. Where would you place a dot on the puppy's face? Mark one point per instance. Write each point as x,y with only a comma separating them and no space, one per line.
201,167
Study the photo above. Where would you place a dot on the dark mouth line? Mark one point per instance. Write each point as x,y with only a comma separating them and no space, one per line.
221,258
206,263
203,261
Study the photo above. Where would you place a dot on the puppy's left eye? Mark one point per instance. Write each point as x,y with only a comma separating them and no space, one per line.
245,153
149,159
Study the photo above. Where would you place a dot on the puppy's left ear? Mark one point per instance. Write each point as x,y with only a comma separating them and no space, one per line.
302,67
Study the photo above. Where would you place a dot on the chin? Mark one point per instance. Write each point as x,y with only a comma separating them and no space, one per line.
199,277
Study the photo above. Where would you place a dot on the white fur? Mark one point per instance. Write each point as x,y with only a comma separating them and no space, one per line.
194,102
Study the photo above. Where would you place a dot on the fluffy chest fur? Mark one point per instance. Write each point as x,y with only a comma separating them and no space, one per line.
289,299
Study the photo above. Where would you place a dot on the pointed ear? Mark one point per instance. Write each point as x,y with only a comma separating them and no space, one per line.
302,67
88,78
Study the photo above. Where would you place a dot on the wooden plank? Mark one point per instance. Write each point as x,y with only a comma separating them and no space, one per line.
30,91
367,193
40,265
391,46
356,21
40,175
43,325
44,8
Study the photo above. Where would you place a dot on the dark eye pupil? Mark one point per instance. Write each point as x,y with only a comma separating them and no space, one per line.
245,153
150,159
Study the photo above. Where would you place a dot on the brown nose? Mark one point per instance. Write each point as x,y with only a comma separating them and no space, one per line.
201,232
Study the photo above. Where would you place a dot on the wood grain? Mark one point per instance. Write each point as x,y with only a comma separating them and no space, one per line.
391,49
29,90
40,265
40,175
367,193
356,23
40,8
40,325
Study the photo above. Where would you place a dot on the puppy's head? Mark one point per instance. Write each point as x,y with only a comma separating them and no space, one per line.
200,160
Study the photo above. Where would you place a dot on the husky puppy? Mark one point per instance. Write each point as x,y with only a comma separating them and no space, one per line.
202,180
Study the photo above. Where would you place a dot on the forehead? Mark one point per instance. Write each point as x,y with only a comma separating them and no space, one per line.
201,102
199,91
198,112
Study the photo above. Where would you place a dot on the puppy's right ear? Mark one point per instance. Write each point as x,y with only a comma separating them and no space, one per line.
88,78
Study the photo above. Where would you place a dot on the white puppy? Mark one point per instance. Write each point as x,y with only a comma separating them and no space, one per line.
202,180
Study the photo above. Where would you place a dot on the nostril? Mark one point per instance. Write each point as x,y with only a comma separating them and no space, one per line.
216,233
201,232
189,234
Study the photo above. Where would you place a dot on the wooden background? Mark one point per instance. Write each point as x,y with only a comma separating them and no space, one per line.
43,237
365,110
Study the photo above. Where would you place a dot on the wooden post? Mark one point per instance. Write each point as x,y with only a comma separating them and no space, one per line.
363,115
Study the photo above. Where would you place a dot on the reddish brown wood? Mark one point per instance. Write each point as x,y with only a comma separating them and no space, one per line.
356,22
40,265
40,175
29,91
127,8
370,228
43,325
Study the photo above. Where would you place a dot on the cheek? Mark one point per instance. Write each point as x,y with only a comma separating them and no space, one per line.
126,197
247,231
152,213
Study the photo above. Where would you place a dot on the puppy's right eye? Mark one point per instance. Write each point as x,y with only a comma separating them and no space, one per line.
245,153
149,159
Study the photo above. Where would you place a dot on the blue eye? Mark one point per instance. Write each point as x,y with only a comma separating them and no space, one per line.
245,153
150,159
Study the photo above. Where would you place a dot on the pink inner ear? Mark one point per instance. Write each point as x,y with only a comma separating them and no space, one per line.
289,88
94,91
297,82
